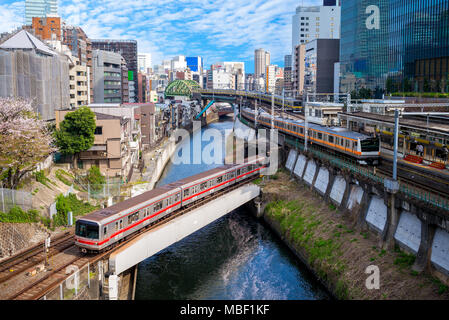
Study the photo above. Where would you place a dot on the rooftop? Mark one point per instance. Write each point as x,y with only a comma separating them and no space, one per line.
23,40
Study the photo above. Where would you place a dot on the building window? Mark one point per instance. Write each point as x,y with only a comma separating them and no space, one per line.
98,131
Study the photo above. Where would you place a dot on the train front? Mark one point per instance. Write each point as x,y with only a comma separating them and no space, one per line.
87,235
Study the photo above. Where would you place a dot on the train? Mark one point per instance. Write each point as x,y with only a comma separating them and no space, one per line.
364,149
105,228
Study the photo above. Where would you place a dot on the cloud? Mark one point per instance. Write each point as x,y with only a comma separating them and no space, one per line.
225,30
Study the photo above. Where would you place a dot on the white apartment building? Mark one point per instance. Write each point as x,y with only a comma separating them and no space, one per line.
226,75
315,22
178,63
144,62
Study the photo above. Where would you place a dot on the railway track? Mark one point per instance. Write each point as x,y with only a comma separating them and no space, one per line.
415,178
419,180
44,285
34,256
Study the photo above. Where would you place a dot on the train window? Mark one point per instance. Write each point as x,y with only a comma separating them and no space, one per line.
301,130
177,197
87,229
105,230
342,142
121,224
186,193
157,206
238,172
354,145
116,226
320,136
133,218
331,139
219,179
203,186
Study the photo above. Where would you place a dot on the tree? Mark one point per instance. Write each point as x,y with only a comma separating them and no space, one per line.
25,140
76,132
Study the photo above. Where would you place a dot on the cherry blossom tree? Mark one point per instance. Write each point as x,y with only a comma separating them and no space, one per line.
25,140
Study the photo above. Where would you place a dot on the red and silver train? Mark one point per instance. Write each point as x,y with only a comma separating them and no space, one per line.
106,227
365,149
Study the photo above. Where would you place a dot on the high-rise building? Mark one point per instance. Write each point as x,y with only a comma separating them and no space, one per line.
145,62
128,50
299,70
320,58
107,77
288,61
195,64
76,39
316,22
261,62
40,8
272,74
288,82
398,46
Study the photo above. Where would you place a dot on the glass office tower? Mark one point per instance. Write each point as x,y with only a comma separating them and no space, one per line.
39,8
404,46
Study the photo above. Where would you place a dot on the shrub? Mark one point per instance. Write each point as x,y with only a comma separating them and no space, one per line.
64,205
17,215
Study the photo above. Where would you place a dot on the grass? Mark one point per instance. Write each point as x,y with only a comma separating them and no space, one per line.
63,176
296,219
40,177
404,260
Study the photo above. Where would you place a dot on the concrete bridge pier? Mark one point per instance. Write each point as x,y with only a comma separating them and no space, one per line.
422,262
392,221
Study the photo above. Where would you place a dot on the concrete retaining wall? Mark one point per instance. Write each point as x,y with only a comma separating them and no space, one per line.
355,197
300,166
408,232
322,181
291,160
440,251
338,190
310,172
372,210
377,214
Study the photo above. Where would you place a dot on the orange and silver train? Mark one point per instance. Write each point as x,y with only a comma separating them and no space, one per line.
105,228
365,149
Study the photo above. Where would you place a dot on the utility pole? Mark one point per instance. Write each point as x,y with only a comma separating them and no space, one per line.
396,143
255,113
272,111
306,123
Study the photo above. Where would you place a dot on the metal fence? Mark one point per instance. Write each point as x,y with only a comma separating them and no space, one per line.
82,284
112,188
344,163
10,198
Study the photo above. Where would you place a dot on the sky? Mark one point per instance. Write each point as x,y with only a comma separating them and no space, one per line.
224,30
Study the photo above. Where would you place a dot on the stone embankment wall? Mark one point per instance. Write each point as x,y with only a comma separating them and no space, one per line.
15,237
414,227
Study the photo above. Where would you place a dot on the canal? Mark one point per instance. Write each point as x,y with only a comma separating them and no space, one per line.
236,257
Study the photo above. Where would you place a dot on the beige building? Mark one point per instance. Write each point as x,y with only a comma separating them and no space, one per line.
111,151
79,83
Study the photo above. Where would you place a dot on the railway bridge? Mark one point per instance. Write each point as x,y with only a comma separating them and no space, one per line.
71,274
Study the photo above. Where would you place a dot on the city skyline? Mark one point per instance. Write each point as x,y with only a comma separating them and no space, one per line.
167,29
